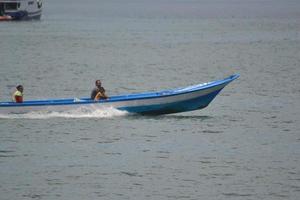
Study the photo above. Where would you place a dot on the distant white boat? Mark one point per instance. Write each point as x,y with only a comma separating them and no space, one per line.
20,9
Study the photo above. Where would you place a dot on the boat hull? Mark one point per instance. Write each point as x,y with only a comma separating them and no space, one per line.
163,102
174,104
24,15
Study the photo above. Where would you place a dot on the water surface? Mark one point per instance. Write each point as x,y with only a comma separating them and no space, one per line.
245,145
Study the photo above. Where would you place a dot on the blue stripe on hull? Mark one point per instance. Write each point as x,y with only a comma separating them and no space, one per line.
184,106
24,15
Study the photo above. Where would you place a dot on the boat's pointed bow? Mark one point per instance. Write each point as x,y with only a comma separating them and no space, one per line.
234,76
228,79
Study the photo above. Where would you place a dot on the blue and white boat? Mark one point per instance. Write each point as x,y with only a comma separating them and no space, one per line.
20,9
163,102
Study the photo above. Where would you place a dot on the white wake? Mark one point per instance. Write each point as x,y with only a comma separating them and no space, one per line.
81,112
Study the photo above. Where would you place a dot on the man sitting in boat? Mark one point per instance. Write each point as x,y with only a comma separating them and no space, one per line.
98,92
18,94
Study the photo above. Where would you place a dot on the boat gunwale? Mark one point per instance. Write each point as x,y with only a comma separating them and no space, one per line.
122,98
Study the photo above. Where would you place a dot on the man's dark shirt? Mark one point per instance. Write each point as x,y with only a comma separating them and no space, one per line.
95,92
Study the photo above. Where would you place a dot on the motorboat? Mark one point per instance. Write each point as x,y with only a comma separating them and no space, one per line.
177,100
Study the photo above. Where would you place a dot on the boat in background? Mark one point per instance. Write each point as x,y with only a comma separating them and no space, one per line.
20,9
153,103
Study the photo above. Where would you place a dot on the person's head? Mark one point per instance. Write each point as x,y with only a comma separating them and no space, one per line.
20,88
98,83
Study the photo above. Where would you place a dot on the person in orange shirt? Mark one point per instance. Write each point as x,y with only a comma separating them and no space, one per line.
18,94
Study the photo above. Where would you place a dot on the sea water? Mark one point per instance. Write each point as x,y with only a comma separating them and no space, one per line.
245,145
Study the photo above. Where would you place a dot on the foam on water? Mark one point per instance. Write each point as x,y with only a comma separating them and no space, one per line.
81,112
